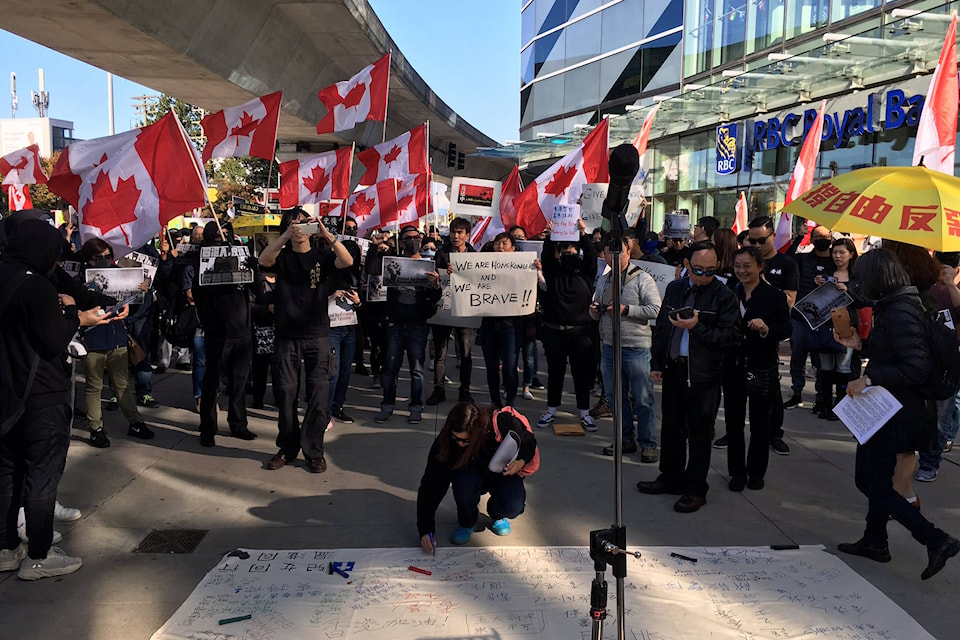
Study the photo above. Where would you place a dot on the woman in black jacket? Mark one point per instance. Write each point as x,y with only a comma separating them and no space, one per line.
901,365
765,322
459,456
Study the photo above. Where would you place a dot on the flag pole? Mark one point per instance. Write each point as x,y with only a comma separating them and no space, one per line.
266,193
199,171
343,220
429,165
386,105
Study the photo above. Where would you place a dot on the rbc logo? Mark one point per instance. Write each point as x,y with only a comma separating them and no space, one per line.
728,160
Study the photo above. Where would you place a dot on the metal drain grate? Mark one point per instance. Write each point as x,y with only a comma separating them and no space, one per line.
171,541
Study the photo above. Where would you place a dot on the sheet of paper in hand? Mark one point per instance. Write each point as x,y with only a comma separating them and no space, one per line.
531,245
494,284
148,263
444,316
406,272
376,292
224,265
341,311
565,218
117,283
864,414
815,306
475,197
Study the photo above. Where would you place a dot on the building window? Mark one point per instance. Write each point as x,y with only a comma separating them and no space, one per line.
764,24
804,16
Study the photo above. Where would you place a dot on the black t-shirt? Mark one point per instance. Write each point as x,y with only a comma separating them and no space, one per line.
810,266
301,294
781,271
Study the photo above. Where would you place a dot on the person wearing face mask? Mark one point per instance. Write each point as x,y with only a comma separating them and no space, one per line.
107,352
428,249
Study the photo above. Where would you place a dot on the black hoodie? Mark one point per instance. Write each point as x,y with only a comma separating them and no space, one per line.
33,322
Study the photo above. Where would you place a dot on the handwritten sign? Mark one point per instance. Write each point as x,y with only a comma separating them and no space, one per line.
591,204
444,316
662,274
535,593
565,218
493,284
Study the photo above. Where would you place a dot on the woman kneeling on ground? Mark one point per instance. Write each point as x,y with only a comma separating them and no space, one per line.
460,456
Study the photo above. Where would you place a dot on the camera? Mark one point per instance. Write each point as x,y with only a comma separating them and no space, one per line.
684,313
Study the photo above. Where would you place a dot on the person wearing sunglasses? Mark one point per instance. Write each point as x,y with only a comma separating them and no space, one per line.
460,457
698,321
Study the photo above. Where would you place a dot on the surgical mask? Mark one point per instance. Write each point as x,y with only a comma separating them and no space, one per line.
570,262
428,254
350,232
411,246
822,244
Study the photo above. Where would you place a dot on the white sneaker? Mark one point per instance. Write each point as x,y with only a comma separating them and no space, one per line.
65,514
10,558
527,395
57,563
22,532
588,424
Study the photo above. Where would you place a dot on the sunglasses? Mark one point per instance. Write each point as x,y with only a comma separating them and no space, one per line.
762,240
702,272
459,440
104,255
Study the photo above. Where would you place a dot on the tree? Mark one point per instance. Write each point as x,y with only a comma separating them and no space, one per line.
188,115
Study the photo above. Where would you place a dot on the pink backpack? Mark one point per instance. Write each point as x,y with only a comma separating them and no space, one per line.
531,467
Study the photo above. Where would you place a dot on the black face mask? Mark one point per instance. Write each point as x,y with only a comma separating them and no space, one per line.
350,232
102,263
411,246
822,244
570,262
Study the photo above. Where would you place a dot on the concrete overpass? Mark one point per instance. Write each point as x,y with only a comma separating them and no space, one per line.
218,53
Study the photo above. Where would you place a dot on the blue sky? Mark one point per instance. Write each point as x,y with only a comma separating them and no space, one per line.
437,39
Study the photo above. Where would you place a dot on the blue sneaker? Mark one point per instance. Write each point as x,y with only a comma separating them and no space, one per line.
461,535
546,420
500,527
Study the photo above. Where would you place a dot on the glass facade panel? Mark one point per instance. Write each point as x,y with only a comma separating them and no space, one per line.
581,87
546,12
548,98
666,168
526,106
764,25
803,16
527,28
620,74
733,30
622,25
843,9
692,165
583,40
548,53
579,7
698,43
526,65
660,63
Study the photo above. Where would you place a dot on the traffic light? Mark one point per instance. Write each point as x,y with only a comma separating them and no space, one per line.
451,155
460,160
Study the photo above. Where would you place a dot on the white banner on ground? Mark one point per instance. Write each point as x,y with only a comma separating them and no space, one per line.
475,197
444,316
494,284
591,204
533,593
565,218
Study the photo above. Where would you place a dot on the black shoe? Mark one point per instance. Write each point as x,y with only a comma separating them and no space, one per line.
755,484
628,447
657,487
257,404
99,439
342,415
689,503
361,370
147,400
877,553
794,402
208,441
140,430
112,404
184,366
938,556
159,369
438,396
246,434
720,443
465,396
536,385
779,447
317,465
737,484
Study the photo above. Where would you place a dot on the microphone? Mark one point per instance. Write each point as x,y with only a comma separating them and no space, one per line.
624,166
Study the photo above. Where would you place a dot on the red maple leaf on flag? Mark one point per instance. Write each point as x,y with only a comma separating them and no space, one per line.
561,181
109,208
246,126
22,164
362,206
316,182
103,158
354,96
405,202
392,155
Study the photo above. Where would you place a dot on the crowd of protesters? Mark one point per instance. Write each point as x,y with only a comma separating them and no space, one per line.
714,338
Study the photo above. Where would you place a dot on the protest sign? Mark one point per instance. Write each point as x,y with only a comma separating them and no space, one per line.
376,292
406,272
444,316
148,263
676,225
363,243
244,207
591,204
815,306
565,218
493,284
475,197
224,265
117,283
342,312
662,274
531,245
186,247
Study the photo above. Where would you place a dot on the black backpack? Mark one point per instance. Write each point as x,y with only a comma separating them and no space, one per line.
945,358
11,405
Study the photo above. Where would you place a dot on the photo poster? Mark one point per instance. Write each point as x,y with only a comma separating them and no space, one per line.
363,243
376,292
262,240
475,197
815,306
186,247
565,219
149,265
591,204
676,225
494,284
117,283
444,316
342,312
531,245
224,265
406,272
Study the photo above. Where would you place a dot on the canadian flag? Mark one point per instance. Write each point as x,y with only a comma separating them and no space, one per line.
412,200
362,97
128,186
311,180
563,182
937,132
488,228
641,141
247,130
23,167
740,220
405,154
19,197
374,207
802,179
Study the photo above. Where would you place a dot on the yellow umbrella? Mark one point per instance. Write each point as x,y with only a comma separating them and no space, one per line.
247,224
909,204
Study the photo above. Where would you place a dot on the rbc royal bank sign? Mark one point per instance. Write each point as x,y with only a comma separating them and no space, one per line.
728,149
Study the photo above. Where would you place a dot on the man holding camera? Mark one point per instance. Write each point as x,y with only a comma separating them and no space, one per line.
697,322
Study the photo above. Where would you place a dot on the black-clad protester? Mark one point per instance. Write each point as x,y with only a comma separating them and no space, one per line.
36,325
899,364
264,336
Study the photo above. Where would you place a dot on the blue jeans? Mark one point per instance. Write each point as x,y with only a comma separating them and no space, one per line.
507,495
199,365
500,340
636,391
343,342
409,339
948,415
530,362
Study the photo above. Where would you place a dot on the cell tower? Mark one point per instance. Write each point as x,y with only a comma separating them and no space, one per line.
14,101
40,99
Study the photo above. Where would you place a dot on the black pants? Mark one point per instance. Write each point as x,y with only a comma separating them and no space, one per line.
463,341
263,367
227,358
689,415
578,345
742,462
375,329
318,360
32,457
